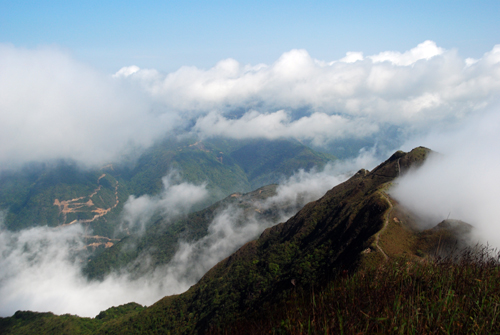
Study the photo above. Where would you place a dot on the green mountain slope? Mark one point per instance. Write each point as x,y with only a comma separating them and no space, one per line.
161,240
60,193
266,162
227,166
26,322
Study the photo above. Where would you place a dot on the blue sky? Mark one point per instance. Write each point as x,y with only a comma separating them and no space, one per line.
166,35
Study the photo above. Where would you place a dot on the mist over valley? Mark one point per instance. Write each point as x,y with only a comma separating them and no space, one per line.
231,197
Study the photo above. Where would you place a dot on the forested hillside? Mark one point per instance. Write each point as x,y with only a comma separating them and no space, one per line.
62,192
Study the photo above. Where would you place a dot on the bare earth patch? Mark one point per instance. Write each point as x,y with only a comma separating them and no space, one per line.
76,205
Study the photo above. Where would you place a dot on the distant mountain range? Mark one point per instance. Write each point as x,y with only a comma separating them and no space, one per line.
354,229
62,192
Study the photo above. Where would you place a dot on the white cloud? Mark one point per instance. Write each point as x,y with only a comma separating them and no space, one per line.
232,226
40,268
470,61
463,181
176,198
425,86
126,71
351,57
423,51
303,186
318,127
54,107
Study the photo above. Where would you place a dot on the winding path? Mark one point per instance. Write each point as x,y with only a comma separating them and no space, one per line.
387,216
386,223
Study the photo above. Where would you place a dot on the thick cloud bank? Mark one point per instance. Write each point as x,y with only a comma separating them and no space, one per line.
40,268
51,106
40,271
462,182
305,98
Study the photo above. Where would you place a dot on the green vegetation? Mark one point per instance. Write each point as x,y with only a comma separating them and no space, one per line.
28,195
351,262
454,295
266,162
26,322
325,238
161,239
438,296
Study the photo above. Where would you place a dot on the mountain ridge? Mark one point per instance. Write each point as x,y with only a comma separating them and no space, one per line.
323,239
355,229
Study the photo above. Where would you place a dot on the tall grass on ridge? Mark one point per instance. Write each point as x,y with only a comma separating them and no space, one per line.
452,295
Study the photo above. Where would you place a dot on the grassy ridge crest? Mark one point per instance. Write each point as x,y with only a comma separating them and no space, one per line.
324,271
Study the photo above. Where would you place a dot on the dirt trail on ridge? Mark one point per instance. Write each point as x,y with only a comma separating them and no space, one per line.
387,217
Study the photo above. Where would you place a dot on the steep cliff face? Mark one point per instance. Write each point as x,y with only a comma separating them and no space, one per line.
325,238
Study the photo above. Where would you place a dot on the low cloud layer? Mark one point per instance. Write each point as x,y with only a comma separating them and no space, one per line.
305,98
462,182
40,268
54,107
176,198
317,127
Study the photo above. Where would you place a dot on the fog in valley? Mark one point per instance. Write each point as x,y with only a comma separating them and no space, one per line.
41,267
58,108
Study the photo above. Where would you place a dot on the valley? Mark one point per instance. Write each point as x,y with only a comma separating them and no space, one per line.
61,192
356,230
207,168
